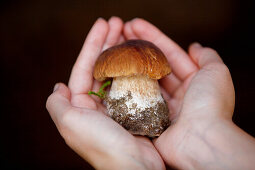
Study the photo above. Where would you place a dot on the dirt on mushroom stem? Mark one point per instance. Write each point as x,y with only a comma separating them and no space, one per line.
150,119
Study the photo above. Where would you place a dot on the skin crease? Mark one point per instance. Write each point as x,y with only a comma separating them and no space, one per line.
199,93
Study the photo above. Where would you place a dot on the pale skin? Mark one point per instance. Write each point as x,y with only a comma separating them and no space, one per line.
199,93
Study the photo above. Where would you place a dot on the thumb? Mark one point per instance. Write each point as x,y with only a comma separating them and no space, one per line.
212,87
58,103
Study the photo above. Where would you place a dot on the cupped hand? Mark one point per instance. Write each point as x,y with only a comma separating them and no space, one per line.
81,119
200,96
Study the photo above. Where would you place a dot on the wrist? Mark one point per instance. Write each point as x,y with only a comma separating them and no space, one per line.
119,161
218,144
203,144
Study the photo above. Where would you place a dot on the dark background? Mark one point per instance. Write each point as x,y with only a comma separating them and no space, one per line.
39,43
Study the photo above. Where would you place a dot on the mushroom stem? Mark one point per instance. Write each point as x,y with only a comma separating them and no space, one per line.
136,103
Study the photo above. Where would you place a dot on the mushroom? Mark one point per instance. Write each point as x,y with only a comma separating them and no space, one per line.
134,99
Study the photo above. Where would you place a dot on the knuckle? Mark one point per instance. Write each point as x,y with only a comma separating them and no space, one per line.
50,101
64,123
222,68
67,124
66,118
208,50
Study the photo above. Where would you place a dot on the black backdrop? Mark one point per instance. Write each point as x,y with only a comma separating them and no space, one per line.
39,43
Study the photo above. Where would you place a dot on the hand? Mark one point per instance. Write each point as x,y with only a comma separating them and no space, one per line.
200,96
82,120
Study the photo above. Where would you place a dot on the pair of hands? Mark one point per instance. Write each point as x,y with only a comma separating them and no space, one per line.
199,93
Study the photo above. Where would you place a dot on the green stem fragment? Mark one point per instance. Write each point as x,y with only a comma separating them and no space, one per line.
96,94
101,93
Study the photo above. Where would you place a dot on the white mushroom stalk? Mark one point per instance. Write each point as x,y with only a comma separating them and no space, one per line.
145,92
136,103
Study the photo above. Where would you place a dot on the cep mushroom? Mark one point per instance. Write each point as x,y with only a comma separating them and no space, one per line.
134,99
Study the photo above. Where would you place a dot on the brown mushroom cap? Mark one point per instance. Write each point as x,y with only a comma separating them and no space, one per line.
133,57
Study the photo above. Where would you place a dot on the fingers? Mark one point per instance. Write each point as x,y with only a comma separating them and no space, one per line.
170,83
114,37
180,62
203,56
81,77
115,30
58,102
128,31
121,39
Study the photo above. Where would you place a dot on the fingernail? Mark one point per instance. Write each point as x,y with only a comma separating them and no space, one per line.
100,18
197,45
134,19
56,87
112,17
